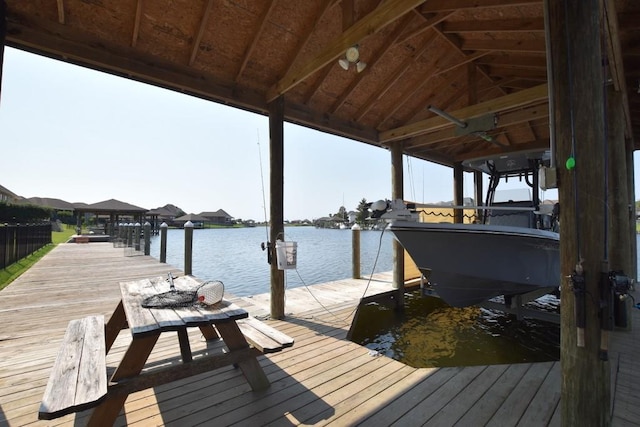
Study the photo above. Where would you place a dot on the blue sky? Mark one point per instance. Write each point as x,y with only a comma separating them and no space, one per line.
80,135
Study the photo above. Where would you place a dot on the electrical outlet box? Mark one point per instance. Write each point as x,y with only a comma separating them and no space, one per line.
547,178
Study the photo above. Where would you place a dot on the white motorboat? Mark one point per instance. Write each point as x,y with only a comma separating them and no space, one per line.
515,250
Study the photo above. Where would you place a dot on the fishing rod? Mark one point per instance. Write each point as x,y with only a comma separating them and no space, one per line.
264,245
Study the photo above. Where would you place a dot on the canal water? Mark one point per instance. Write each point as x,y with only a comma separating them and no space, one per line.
428,332
235,257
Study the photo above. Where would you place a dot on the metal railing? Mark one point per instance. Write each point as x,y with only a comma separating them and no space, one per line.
19,241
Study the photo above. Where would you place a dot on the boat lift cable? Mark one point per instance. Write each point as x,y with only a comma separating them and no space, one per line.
605,141
364,293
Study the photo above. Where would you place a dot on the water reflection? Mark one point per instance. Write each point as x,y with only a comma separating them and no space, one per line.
429,333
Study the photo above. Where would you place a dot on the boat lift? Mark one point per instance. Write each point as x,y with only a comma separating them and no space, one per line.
513,304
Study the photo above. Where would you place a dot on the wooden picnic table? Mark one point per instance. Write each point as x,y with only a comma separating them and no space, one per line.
245,338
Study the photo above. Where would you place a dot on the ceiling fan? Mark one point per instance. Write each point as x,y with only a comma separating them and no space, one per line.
352,56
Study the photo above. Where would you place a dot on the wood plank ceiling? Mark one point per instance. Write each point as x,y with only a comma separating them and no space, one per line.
474,59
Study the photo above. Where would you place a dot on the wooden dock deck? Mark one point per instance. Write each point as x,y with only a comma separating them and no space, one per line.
322,380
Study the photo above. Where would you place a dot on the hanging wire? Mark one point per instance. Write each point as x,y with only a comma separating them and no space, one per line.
605,62
364,293
573,133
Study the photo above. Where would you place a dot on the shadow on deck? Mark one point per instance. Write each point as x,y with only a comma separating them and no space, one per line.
323,380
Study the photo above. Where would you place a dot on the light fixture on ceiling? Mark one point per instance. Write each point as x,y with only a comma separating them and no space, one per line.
352,56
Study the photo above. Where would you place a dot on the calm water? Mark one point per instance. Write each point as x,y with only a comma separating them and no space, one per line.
234,256
431,333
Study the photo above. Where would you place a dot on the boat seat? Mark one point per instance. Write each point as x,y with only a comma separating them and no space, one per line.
513,218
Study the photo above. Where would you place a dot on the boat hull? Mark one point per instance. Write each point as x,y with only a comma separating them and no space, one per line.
471,263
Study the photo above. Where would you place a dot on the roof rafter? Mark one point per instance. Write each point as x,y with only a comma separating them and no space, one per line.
428,23
408,94
455,43
505,45
541,143
614,51
313,89
510,118
394,77
530,62
201,28
514,100
442,5
328,4
495,26
136,23
382,16
60,11
445,104
263,19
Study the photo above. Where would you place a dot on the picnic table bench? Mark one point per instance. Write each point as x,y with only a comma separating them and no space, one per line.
79,381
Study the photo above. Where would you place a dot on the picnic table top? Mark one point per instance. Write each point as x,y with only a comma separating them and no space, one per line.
144,321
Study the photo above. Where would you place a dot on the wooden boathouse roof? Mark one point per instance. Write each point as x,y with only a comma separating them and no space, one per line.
112,206
470,58
323,379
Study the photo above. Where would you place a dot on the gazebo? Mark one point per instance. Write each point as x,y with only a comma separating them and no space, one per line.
115,210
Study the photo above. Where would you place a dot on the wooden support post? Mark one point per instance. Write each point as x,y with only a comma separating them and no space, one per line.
632,208
574,29
458,192
3,36
355,250
478,194
147,238
619,238
188,248
397,192
276,186
130,235
136,236
163,242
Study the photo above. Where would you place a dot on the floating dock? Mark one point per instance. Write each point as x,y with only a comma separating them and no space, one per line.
322,380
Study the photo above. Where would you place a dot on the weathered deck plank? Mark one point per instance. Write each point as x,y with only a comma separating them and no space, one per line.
322,380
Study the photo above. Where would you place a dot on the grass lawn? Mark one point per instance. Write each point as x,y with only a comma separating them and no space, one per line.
13,271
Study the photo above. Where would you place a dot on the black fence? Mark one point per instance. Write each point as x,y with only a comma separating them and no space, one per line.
20,241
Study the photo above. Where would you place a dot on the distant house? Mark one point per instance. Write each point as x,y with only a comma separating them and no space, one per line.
219,217
197,220
167,213
47,202
7,196
323,222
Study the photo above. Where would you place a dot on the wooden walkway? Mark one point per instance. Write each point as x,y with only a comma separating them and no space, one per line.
322,380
